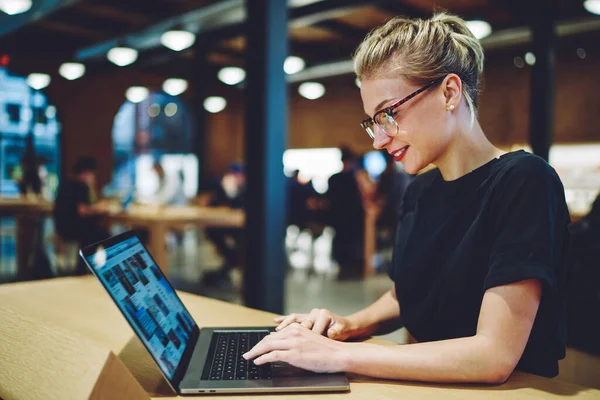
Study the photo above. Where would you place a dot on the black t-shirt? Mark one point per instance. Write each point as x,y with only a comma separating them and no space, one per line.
344,199
504,222
67,220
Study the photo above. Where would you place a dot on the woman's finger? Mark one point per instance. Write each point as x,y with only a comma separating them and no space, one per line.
273,356
290,319
307,323
265,346
322,322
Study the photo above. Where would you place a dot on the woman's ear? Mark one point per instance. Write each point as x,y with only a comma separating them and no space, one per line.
452,89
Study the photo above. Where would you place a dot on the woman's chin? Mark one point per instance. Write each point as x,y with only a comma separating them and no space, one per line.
410,167
411,171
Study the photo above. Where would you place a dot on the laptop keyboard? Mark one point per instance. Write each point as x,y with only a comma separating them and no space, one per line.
225,361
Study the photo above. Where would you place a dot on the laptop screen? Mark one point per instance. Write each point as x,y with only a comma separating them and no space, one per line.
146,299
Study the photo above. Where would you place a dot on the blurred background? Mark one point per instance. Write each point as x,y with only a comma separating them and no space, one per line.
144,105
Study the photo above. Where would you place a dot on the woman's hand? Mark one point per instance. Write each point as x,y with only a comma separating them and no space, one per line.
301,348
320,321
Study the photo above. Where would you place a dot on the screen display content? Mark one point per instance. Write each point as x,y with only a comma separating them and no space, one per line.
146,299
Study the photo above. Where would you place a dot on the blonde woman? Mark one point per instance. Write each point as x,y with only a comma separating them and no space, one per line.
478,265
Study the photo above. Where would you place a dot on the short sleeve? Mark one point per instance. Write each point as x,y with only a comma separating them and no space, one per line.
83,194
529,220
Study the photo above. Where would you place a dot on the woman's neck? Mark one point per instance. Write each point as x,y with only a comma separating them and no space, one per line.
469,150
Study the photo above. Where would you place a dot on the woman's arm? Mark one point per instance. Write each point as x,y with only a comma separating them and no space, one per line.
379,318
505,322
490,356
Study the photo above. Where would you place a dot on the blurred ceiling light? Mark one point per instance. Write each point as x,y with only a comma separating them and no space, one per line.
530,58
177,40
311,90
592,6
137,94
215,104
50,112
301,3
13,7
71,70
122,56
153,110
37,100
231,75
38,81
175,86
170,109
293,64
480,29
519,63
26,114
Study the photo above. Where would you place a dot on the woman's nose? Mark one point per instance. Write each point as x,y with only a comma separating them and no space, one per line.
381,139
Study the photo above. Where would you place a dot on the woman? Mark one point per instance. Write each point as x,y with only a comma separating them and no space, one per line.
479,256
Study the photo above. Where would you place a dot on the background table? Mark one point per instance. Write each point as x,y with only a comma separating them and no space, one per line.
158,219
29,233
82,306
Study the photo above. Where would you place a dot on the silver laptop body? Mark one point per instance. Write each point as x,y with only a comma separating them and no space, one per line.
193,360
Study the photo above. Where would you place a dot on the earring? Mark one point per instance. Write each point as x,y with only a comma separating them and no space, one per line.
449,107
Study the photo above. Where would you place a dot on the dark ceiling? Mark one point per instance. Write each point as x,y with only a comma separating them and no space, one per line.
320,31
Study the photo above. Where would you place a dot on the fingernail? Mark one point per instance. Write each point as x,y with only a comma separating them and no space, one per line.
245,355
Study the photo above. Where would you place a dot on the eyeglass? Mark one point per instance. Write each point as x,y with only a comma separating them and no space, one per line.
385,118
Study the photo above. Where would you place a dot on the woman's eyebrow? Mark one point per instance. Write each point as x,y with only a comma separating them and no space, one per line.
380,105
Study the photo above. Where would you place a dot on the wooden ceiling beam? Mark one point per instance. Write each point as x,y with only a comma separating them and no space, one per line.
112,13
341,29
324,10
395,7
70,29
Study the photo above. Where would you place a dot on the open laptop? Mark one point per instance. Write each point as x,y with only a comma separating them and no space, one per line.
193,360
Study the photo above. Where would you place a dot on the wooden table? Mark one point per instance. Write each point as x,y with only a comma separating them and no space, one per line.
158,219
28,230
82,306
17,205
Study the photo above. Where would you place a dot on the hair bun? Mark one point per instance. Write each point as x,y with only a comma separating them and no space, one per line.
453,23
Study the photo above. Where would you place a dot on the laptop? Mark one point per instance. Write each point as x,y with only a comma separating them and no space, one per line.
193,360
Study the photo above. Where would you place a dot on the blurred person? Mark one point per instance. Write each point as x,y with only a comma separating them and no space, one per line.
366,185
230,193
391,186
77,211
479,264
170,188
29,180
584,282
169,192
231,190
299,194
347,216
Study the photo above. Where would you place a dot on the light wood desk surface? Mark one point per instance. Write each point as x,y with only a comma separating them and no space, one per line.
82,306
158,219
213,216
9,205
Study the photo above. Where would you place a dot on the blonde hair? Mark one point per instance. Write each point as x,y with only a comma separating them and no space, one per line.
423,51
